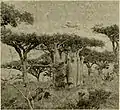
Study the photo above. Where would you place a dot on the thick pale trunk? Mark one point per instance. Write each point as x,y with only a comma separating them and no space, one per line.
79,68
116,52
69,72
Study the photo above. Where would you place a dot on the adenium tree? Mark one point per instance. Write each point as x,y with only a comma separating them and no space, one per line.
76,44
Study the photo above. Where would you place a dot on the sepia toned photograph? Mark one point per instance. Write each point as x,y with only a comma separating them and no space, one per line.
59,55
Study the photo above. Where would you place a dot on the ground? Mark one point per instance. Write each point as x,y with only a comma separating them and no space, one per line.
62,98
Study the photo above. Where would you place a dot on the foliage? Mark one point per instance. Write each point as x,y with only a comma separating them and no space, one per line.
34,66
21,42
112,32
43,59
76,42
93,56
62,99
12,16
67,42
96,98
101,59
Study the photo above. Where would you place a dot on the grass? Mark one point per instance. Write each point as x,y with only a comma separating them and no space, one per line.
99,92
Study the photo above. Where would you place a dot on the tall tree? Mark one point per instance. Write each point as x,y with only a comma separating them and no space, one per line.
88,58
58,43
112,32
76,44
10,15
23,44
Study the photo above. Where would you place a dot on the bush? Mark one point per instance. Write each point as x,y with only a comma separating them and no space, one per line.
96,98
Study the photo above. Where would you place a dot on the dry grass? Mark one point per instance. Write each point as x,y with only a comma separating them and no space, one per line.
63,98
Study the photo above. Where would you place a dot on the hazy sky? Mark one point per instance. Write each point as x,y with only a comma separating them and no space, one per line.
50,17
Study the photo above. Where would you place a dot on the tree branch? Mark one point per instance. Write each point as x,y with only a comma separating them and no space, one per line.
20,92
19,51
23,96
30,47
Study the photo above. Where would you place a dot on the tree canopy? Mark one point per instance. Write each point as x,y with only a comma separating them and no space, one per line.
92,56
112,32
10,15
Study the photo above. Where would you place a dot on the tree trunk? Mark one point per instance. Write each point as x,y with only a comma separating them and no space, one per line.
99,71
116,51
52,56
79,67
77,72
24,70
56,55
68,72
38,77
66,57
89,70
60,54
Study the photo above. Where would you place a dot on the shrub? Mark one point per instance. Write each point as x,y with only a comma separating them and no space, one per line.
96,98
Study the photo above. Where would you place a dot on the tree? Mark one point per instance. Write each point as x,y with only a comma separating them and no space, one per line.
36,69
101,59
57,44
112,32
23,44
39,65
34,66
89,56
76,44
12,16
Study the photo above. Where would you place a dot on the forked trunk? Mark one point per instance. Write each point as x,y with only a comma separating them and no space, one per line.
38,78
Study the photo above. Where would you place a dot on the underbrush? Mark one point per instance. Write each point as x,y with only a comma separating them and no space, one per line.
96,98
101,94
60,99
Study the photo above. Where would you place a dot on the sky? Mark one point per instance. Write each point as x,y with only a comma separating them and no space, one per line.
53,16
